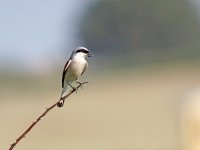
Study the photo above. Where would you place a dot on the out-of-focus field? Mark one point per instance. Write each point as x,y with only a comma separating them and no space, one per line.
126,110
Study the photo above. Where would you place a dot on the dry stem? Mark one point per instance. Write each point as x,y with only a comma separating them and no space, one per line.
40,117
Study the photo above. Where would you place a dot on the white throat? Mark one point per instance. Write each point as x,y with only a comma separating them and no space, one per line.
79,56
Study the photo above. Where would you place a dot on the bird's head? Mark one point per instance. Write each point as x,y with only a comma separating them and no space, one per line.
82,51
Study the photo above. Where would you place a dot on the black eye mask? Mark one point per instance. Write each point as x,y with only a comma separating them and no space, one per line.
82,50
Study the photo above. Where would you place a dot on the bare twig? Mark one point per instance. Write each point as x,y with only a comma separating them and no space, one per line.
42,115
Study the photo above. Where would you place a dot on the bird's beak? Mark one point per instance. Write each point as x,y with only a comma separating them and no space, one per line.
89,54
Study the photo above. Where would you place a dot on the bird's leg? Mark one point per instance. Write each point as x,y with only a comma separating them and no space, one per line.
81,83
74,88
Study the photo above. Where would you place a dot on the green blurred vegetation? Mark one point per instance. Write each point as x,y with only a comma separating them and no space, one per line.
141,31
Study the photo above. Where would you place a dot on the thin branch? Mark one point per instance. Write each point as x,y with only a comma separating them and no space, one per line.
41,116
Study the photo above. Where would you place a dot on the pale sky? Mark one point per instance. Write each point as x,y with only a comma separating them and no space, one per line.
34,33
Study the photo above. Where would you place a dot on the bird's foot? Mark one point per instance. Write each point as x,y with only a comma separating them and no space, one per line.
81,84
73,88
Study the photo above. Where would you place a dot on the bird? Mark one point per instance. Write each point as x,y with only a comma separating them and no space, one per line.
73,69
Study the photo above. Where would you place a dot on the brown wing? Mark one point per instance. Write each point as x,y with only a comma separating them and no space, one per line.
64,71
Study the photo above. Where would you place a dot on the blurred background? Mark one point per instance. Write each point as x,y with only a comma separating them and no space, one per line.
144,86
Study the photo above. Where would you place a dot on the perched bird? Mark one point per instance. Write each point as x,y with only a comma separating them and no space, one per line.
74,68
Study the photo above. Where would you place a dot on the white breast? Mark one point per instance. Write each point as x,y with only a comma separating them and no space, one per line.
76,68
